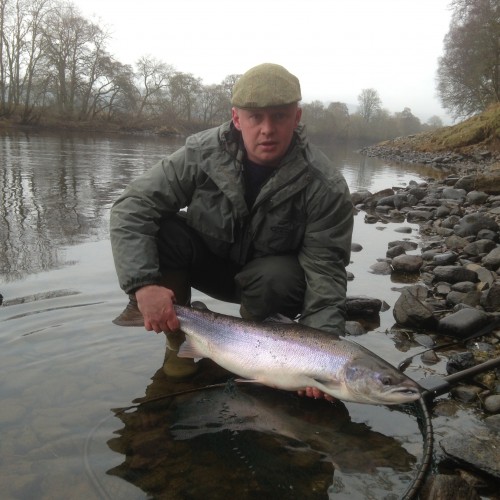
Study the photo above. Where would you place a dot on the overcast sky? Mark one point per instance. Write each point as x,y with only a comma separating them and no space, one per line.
335,47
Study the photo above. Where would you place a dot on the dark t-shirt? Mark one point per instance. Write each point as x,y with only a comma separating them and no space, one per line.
255,177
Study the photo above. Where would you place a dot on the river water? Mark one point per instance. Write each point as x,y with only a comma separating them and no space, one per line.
66,370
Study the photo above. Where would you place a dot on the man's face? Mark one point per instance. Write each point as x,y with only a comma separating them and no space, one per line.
267,132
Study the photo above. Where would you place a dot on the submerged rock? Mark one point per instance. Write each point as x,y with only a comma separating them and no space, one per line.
479,450
448,487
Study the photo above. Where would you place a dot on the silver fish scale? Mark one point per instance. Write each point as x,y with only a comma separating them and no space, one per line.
270,343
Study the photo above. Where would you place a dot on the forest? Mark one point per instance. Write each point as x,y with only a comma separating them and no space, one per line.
55,70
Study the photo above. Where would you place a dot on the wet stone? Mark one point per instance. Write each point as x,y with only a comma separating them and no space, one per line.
454,194
395,251
471,299
430,358
493,422
463,323
407,263
382,268
466,393
492,403
454,274
455,242
471,224
479,247
477,197
459,362
492,259
442,288
419,215
448,487
409,310
479,450
362,306
406,244
484,275
487,234
403,229
445,259
491,298
463,286
354,328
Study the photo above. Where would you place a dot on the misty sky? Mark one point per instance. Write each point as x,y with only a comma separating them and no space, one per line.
335,47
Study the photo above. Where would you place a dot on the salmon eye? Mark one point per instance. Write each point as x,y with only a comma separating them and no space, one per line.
386,380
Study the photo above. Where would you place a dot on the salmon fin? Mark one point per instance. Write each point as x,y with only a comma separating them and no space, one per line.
247,381
327,383
278,318
187,350
199,306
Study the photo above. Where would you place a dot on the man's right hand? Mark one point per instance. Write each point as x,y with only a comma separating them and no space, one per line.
156,304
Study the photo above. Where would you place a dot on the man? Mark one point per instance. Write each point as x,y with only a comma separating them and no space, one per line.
268,221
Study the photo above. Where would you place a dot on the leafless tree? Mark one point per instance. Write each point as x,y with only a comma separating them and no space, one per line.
369,104
468,77
153,78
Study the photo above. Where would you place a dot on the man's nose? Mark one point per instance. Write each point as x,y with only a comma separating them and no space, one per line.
267,125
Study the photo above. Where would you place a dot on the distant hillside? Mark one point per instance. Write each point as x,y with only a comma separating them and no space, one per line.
479,133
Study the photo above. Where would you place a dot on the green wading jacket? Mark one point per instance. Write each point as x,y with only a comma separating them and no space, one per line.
304,208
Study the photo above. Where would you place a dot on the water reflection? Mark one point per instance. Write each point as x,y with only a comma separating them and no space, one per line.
252,441
56,191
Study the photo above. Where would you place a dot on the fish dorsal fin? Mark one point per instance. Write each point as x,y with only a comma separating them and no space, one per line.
187,350
278,318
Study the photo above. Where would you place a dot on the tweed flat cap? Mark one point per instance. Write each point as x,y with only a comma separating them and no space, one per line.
264,86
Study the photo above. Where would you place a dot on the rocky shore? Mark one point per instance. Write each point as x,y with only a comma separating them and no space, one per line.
456,295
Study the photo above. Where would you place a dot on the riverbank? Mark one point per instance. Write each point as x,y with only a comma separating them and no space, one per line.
456,295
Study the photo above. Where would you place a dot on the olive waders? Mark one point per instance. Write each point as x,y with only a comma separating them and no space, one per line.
173,366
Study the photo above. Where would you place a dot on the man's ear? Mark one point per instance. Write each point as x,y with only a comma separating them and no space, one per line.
298,116
236,118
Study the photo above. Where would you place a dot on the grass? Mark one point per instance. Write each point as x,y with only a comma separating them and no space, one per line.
480,132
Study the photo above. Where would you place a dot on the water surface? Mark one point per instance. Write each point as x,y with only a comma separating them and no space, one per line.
66,369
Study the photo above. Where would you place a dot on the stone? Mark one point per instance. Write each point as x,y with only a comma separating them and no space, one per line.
490,300
477,197
466,393
492,259
448,487
381,268
360,305
463,323
407,263
471,224
479,247
478,450
492,403
409,310
354,328
454,274
395,251
454,194
493,422
445,258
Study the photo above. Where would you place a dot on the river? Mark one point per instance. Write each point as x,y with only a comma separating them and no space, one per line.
65,367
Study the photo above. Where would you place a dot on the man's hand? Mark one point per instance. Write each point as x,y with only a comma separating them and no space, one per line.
314,392
156,304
